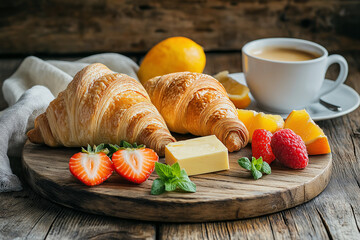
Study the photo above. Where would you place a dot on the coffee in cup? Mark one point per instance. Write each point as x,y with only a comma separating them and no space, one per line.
284,74
279,53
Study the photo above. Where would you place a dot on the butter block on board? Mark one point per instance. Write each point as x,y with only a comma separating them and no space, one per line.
198,155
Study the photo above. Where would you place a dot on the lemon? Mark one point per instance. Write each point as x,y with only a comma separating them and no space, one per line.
175,54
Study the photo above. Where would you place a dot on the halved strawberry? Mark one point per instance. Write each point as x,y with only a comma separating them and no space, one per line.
135,163
91,166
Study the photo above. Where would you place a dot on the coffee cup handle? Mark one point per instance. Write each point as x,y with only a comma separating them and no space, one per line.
335,58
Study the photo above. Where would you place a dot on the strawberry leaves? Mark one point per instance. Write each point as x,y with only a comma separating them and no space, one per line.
123,145
256,166
171,178
96,149
110,149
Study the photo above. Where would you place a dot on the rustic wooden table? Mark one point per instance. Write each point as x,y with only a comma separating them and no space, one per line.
334,214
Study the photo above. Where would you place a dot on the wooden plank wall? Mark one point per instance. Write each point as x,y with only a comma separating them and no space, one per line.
75,27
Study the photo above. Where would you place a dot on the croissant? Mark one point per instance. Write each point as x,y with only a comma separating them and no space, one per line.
100,106
198,104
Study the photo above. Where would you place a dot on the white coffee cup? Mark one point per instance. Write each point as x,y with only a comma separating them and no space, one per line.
283,86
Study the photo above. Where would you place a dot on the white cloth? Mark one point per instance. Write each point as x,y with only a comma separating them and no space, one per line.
27,100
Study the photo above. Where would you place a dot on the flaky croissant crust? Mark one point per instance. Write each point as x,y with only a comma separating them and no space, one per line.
100,106
198,104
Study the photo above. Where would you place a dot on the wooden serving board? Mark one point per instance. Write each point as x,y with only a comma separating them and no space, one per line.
224,195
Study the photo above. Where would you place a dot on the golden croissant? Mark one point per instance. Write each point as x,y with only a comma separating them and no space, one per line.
100,106
198,104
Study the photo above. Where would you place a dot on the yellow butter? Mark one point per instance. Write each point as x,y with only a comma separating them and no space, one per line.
198,155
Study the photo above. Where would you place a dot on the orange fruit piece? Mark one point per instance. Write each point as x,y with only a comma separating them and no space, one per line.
314,137
175,54
237,92
258,120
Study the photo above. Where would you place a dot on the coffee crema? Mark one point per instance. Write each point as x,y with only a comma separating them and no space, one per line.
284,54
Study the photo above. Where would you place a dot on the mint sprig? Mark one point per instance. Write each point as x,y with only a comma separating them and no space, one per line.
171,178
256,166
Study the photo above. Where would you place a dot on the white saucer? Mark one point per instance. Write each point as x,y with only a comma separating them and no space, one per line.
344,96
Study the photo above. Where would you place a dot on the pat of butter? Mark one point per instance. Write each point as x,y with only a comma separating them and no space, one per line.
198,155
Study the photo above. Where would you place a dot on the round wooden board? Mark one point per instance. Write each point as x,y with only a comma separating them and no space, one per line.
224,195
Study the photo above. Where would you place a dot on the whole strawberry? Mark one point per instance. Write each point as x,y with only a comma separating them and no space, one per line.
260,145
289,149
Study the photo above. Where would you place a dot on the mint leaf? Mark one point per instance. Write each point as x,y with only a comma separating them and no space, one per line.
176,169
158,187
266,168
170,186
244,162
184,176
183,173
256,173
185,179
257,162
164,171
187,186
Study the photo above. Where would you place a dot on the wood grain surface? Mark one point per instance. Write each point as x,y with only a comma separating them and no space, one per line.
224,195
68,26
334,214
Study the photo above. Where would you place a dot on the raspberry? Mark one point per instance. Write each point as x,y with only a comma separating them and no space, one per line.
289,149
261,145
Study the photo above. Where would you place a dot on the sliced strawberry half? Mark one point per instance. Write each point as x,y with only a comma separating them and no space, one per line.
135,164
91,167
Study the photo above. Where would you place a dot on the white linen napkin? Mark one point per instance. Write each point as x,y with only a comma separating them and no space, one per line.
27,100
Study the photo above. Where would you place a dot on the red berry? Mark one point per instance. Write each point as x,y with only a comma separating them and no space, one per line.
289,149
135,165
261,145
91,168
